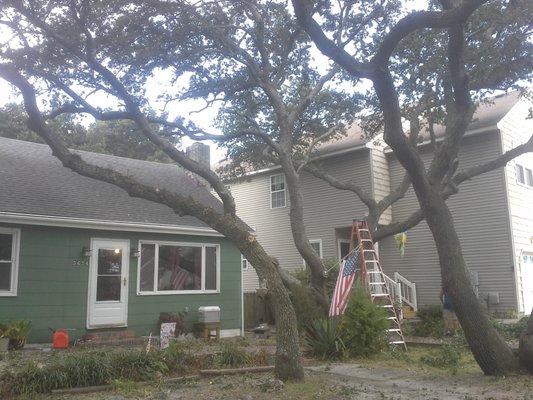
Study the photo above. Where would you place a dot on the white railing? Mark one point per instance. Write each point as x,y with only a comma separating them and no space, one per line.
395,291
407,290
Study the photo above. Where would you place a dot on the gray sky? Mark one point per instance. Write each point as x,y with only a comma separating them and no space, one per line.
186,109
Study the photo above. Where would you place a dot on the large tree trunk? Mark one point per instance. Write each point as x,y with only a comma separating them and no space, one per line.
288,357
301,240
525,349
491,352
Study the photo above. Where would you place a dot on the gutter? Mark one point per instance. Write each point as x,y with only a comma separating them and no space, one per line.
81,223
473,132
367,145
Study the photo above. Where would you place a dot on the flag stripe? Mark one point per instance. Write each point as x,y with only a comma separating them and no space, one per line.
348,268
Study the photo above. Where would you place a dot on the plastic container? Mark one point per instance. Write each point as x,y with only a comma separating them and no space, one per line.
209,314
60,339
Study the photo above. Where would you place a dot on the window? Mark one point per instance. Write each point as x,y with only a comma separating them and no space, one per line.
277,191
529,177
343,248
520,177
316,244
172,268
244,263
9,249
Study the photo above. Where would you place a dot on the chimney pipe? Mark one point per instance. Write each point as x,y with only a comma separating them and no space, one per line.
200,152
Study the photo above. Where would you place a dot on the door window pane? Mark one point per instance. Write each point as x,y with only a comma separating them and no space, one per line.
179,268
6,244
147,267
109,261
210,268
5,276
108,288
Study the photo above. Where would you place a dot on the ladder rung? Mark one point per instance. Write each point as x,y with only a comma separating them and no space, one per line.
377,283
367,250
387,306
366,240
379,294
391,317
394,330
363,230
398,342
372,261
373,272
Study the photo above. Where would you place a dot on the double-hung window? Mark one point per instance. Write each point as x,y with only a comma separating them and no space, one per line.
9,249
524,176
277,191
174,268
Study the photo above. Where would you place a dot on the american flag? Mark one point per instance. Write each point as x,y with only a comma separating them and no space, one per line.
179,278
347,271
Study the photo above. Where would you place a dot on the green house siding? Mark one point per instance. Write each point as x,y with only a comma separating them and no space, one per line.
52,290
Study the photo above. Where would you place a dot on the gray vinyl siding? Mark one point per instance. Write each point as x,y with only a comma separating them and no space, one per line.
516,129
381,179
481,217
328,212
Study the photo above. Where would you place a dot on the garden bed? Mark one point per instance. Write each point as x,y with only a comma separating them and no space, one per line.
29,372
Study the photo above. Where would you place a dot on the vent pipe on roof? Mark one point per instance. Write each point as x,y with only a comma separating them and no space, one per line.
200,153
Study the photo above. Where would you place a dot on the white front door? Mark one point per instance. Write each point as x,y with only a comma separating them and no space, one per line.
527,281
108,283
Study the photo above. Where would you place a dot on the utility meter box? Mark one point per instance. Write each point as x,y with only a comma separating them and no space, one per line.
209,314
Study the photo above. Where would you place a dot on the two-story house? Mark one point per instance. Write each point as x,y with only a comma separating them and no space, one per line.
493,212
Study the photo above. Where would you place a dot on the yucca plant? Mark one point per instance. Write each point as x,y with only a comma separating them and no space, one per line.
322,337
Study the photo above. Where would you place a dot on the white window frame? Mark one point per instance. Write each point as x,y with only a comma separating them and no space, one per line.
319,241
15,249
278,191
247,265
339,241
524,172
156,292
527,172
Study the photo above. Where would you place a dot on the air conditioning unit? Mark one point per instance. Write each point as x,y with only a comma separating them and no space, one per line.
209,314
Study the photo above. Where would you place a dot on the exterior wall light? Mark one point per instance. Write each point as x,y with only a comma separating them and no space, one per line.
85,251
135,253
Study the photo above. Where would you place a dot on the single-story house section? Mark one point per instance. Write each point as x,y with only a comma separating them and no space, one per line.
81,254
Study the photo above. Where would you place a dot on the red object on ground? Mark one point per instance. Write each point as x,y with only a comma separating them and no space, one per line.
60,339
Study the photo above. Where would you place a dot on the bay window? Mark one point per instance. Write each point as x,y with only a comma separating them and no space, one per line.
173,268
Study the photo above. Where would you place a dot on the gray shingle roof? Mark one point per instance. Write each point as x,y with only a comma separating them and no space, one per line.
33,181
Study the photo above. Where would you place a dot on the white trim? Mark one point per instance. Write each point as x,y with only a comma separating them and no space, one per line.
15,253
278,191
473,132
367,145
242,302
321,255
519,305
339,241
48,220
158,243
97,243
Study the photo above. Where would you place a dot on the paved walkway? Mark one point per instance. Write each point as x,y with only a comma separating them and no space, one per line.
381,383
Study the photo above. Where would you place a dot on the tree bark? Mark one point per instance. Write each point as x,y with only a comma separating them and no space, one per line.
491,352
301,241
525,348
288,357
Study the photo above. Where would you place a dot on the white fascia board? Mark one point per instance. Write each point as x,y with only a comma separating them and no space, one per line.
47,220
473,132
367,145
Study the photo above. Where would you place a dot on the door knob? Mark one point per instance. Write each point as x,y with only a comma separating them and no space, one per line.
124,280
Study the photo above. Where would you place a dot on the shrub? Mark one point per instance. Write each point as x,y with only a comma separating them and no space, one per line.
449,357
231,354
322,337
510,331
82,369
363,326
431,323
